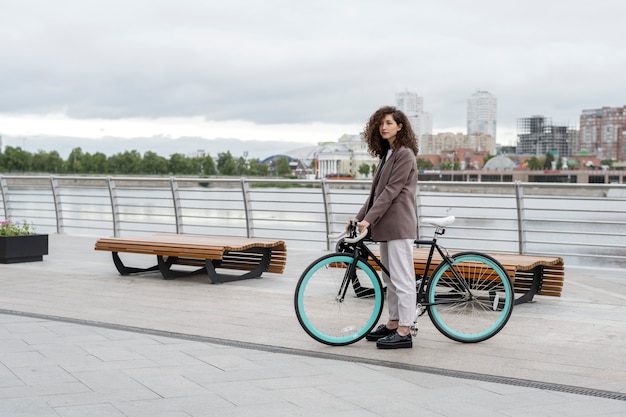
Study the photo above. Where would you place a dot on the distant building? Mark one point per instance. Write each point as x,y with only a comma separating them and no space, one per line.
478,142
499,163
603,132
338,159
463,158
537,136
482,114
413,106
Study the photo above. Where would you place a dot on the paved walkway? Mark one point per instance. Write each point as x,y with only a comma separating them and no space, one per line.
77,339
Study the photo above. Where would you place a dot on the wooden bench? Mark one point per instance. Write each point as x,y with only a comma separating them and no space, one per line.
530,274
209,252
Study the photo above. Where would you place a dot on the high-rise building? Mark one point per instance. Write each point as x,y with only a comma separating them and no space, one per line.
413,106
482,114
603,132
537,136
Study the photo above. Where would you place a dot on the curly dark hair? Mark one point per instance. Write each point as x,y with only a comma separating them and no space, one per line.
378,146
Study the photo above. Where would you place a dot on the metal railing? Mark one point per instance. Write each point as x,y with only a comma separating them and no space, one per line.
583,223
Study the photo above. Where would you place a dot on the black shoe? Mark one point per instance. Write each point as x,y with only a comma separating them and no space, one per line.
379,332
395,341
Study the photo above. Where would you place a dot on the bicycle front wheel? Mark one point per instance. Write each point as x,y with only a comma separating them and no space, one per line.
337,300
471,299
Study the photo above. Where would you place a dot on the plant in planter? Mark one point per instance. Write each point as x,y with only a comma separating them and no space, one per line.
20,243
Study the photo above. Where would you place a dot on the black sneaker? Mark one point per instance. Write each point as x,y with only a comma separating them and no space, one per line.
379,332
395,341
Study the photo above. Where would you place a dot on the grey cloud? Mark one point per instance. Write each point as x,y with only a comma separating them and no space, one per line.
290,62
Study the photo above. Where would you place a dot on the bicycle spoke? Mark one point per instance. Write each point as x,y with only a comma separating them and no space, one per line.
472,299
335,307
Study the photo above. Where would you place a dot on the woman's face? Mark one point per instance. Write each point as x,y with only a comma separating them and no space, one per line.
389,128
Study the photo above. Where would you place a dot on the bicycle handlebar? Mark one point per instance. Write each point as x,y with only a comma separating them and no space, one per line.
353,237
356,238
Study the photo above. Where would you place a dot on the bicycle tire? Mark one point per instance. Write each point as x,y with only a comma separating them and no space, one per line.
327,318
473,315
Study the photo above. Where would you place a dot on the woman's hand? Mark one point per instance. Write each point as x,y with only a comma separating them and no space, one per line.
363,225
348,226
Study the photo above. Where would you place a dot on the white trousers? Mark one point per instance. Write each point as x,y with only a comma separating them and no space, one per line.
397,256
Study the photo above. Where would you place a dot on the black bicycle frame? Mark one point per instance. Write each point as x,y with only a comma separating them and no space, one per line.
364,253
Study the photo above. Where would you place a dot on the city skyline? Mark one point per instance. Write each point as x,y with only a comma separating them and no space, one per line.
317,71
407,101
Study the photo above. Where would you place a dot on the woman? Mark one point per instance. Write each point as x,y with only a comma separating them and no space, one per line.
390,214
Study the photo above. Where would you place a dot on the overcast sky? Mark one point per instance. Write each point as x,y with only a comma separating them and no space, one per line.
299,71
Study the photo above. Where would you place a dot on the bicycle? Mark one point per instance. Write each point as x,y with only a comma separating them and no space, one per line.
469,296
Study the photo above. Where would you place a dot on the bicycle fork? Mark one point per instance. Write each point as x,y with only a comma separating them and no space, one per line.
348,279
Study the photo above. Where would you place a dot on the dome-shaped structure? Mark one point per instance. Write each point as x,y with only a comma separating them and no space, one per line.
499,163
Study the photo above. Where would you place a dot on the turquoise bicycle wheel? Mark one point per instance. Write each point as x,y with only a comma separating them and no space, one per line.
475,303
335,307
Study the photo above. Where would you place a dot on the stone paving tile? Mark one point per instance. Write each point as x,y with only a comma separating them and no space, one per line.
26,407
95,410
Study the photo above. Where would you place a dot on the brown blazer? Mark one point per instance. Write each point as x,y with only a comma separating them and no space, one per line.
393,214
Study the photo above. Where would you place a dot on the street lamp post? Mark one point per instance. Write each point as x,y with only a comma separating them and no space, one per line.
451,156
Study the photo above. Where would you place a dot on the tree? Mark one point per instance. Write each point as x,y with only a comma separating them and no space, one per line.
195,166
47,162
424,164
241,166
179,164
99,163
534,163
254,167
208,166
264,170
547,164
226,163
282,166
607,162
364,169
15,159
74,164
154,164
131,162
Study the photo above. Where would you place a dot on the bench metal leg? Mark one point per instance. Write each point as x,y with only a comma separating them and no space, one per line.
219,278
165,266
126,270
535,287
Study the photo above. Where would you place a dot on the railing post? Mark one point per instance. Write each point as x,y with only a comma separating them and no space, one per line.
418,209
178,214
326,198
114,206
4,188
245,190
58,208
519,199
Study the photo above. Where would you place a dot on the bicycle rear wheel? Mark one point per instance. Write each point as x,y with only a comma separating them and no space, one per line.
475,303
338,301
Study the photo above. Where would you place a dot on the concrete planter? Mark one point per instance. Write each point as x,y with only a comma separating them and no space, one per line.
23,248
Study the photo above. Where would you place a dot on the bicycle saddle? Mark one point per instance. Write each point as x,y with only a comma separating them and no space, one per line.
438,221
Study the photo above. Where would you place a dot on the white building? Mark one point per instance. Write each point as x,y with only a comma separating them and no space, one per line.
343,158
413,106
482,114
